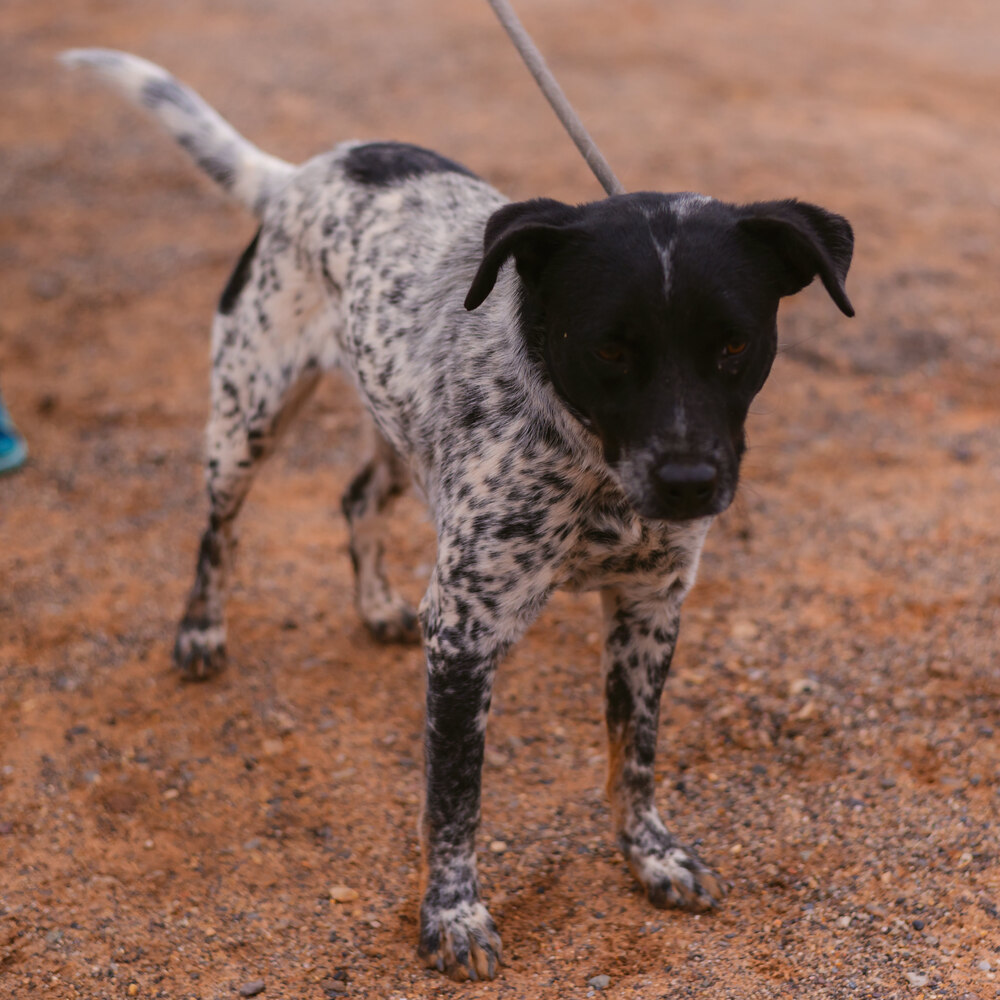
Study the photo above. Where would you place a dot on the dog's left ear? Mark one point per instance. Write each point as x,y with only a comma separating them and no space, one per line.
809,241
528,231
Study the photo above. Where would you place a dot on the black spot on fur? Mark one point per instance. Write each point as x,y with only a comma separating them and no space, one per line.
257,441
354,500
332,285
384,163
221,171
210,551
220,168
239,278
168,91
517,528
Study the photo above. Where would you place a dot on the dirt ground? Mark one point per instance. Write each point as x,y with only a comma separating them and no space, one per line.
830,728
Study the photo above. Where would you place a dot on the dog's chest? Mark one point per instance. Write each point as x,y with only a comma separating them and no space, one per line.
617,546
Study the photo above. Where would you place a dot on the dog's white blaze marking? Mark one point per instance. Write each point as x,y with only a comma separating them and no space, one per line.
684,205
666,253
680,417
680,206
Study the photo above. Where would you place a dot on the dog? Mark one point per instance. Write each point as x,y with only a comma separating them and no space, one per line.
567,385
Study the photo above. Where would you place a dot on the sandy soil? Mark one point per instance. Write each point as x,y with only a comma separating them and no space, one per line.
830,735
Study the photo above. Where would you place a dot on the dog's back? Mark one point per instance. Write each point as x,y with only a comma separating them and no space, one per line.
363,261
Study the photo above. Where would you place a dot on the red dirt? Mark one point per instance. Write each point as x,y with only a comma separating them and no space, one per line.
829,732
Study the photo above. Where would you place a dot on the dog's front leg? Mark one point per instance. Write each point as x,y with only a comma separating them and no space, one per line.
457,933
640,634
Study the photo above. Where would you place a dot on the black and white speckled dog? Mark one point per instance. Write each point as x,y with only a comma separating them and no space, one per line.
574,419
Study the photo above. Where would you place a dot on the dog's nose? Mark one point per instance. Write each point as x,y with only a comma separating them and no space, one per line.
686,489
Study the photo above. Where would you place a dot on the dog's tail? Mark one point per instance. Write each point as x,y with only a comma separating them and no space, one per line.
246,172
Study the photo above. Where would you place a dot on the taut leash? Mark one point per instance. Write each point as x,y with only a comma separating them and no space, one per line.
554,95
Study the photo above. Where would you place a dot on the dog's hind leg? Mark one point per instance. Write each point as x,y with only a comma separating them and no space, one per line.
365,504
263,369
237,444
200,645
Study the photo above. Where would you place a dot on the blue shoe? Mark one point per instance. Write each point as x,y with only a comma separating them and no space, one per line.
13,450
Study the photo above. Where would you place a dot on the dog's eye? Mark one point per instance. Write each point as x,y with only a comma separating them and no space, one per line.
611,353
734,348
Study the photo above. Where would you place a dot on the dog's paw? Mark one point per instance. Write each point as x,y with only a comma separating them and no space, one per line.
392,622
461,941
200,650
674,876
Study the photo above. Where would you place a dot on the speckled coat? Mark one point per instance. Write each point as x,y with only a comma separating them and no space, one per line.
364,262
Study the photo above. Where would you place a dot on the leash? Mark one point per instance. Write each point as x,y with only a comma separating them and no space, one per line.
556,98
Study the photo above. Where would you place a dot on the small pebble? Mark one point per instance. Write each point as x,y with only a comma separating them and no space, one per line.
133,989
498,846
252,988
47,404
285,723
47,286
918,925
917,979
343,894
985,966
599,982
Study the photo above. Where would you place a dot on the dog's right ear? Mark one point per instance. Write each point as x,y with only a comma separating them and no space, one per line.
528,231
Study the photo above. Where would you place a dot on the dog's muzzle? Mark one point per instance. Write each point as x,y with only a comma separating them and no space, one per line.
685,490
678,487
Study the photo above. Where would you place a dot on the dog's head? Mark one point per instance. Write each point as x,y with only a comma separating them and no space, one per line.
655,318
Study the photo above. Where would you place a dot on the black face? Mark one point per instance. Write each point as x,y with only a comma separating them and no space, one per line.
654,316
